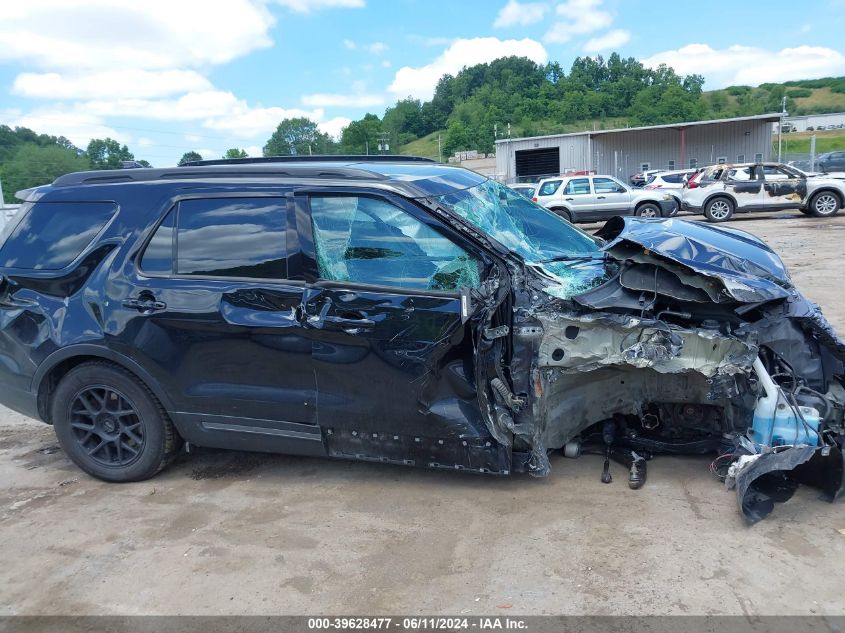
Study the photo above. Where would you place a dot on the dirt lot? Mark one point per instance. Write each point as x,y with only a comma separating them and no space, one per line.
240,533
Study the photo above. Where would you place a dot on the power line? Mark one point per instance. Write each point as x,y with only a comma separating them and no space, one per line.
129,127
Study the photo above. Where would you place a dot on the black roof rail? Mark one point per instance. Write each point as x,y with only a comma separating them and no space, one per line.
225,170
315,158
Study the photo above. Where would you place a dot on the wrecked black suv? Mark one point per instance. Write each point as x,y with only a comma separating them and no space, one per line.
401,311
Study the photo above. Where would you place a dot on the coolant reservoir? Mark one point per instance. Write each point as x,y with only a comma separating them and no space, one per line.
776,422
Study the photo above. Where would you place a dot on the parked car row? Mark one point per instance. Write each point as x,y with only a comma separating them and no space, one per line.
821,128
591,198
717,192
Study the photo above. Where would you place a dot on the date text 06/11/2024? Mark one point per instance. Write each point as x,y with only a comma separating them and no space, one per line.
417,623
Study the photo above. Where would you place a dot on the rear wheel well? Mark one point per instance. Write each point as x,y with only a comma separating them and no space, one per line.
48,384
719,195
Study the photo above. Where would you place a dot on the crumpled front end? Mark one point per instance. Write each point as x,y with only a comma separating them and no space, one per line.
691,340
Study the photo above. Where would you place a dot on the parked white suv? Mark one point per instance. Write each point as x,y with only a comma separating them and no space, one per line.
671,182
591,198
723,190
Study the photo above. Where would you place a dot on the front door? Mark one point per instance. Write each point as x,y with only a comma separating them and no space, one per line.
782,189
211,309
579,199
612,197
392,352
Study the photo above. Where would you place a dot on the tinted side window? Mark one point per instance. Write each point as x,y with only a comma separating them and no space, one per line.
371,241
158,256
549,188
52,234
605,185
577,186
232,237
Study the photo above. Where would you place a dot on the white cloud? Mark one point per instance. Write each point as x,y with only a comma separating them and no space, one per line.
333,127
385,64
129,83
420,82
350,44
248,122
430,41
144,142
747,65
577,17
520,14
112,34
610,40
254,150
189,107
307,6
322,100
377,48
79,127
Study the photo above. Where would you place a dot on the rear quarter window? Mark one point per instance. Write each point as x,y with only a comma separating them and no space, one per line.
50,235
548,188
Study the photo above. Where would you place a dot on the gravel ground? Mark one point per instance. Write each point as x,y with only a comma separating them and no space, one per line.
236,533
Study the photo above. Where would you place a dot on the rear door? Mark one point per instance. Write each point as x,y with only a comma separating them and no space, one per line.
392,353
745,184
211,308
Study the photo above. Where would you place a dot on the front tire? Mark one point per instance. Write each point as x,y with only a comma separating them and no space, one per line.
647,210
824,204
111,425
719,210
566,215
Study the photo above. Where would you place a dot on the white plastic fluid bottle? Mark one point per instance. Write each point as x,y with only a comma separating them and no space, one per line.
776,422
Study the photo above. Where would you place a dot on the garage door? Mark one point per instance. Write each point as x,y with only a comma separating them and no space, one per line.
538,162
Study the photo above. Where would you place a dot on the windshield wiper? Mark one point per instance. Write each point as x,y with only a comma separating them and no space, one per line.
572,258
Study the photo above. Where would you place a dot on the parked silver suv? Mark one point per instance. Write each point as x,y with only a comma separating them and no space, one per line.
591,198
722,190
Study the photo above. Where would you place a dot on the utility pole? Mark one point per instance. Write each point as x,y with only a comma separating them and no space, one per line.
780,127
383,142
439,149
3,200
812,154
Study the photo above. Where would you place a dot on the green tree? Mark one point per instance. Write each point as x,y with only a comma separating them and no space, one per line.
235,153
298,136
190,157
33,165
107,154
361,137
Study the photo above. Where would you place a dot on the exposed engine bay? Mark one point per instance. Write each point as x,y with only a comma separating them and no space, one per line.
690,340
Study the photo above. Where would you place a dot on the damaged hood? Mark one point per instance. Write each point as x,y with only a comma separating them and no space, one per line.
742,267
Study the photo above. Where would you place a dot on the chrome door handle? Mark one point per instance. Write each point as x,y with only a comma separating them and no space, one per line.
144,305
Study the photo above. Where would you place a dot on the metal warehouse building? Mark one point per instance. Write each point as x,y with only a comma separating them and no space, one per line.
627,151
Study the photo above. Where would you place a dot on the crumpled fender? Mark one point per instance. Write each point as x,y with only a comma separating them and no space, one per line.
774,477
747,268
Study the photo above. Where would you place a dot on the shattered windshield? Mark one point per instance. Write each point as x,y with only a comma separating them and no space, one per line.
571,257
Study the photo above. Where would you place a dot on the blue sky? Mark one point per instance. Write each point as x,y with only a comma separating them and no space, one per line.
167,76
